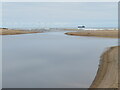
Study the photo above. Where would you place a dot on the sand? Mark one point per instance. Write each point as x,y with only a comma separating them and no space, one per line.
96,33
107,74
14,32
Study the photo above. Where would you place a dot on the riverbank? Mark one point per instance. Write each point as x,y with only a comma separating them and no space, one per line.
96,33
14,32
107,74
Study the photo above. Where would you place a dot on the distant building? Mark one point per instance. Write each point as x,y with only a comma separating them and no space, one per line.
81,27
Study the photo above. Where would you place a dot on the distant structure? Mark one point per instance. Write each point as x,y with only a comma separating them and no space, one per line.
81,27
4,28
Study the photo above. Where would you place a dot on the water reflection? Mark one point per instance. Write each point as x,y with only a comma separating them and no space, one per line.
51,60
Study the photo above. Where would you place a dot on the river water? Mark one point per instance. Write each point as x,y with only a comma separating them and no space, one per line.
51,60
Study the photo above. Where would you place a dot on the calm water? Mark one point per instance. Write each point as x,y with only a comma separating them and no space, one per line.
51,60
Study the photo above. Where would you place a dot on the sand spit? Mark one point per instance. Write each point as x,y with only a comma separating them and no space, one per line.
107,74
96,33
14,32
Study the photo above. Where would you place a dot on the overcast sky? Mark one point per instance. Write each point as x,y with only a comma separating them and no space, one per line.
99,14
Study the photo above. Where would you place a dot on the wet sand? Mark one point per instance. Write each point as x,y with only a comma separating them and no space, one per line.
107,74
14,32
96,33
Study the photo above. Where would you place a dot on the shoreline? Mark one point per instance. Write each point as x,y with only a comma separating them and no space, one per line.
107,73
96,33
16,32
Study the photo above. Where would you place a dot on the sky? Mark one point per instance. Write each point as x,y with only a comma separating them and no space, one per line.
59,14
60,0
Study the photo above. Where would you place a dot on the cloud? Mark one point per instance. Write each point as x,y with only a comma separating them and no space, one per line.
69,12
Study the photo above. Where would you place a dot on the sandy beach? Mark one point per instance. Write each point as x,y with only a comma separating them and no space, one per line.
14,32
96,33
107,74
